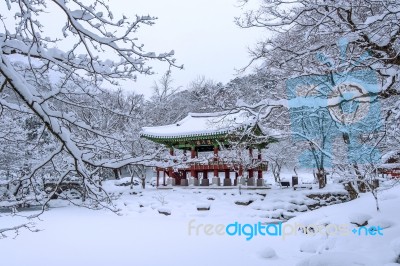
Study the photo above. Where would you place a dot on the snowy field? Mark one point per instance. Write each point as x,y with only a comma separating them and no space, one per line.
140,235
320,88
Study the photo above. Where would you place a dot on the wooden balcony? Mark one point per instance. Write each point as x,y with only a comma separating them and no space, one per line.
220,165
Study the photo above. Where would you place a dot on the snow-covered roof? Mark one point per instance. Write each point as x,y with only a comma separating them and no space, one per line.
202,124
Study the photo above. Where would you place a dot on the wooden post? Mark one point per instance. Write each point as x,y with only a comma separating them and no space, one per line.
215,153
193,152
240,171
205,174
227,174
193,155
260,172
158,177
170,170
215,161
205,181
184,181
164,178
251,171
227,180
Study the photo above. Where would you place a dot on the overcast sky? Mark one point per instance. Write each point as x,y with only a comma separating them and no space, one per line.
202,33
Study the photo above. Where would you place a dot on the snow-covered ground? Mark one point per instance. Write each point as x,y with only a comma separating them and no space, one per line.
140,235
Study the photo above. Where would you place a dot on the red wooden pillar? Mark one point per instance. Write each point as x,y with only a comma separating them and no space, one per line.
251,159
170,171
205,174
215,161
193,155
158,177
227,174
240,171
205,181
260,172
227,180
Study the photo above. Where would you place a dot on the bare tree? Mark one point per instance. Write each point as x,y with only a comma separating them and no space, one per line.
280,155
61,89
332,43
163,89
307,35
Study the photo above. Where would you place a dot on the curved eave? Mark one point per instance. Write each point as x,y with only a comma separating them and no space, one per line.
191,137
173,140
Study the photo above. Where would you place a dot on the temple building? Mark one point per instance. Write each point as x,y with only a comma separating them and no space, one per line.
225,146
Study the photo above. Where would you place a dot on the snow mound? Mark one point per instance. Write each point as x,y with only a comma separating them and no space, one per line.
388,197
317,245
126,181
244,200
395,244
203,205
310,246
383,223
325,221
335,259
359,219
164,210
267,253
302,208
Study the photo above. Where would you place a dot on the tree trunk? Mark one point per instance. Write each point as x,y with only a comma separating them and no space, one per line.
321,179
